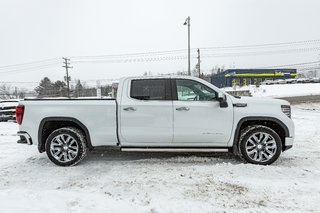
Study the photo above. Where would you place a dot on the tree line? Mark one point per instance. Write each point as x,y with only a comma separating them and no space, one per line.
8,92
48,88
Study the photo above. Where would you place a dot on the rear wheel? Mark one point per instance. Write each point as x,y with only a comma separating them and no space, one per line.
260,145
66,146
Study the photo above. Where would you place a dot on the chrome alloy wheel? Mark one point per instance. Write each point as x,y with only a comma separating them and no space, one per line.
261,147
64,148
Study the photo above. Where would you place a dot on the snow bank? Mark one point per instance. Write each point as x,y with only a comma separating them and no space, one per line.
111,181
281,90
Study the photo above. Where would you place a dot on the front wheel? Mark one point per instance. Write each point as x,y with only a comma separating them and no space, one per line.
66,146
260,145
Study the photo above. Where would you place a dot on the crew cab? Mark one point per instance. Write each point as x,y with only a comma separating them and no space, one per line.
158,114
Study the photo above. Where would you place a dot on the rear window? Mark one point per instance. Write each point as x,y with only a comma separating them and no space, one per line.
148,89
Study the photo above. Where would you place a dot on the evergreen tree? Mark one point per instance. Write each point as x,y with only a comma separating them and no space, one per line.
45,88
60,89
78,90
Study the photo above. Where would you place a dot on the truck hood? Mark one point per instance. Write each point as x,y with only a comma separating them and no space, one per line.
258,101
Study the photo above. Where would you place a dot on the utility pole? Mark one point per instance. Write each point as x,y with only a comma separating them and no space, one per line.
98,89
67,78
198,65
16,92
187,22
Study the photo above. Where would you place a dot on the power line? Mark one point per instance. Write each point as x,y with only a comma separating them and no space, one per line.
18,82
133,60
102,80
28,63
167,52
289,65
30,69
269,52
267,45
204,55
174,57
170,55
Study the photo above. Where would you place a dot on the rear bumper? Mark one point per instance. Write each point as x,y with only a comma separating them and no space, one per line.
24,138
7,118
288,143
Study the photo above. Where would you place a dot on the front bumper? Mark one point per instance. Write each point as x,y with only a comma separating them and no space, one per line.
24,138
288,143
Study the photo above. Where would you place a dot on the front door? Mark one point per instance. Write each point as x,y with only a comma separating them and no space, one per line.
198,117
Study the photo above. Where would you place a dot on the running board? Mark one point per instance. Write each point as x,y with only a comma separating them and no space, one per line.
127,149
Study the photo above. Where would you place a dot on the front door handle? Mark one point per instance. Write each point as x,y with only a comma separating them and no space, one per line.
129,109
182,109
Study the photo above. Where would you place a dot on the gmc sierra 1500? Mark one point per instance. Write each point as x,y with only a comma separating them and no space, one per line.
176,114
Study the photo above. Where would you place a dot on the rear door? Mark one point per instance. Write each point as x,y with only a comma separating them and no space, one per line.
146,113
198,117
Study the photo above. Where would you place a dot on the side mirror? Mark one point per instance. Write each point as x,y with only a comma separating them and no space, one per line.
222,98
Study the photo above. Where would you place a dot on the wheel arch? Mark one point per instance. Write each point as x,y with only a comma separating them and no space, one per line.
277,125
49,124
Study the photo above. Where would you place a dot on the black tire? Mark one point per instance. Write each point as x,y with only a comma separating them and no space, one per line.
66,146
267,148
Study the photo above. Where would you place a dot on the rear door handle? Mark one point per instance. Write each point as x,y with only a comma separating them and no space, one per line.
129,109
182,109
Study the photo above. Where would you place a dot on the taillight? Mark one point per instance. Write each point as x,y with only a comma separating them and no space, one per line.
19,113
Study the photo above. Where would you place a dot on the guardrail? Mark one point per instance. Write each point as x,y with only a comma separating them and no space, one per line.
291,100
240,93
302,99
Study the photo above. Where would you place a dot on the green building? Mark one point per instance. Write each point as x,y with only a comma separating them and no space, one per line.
243,77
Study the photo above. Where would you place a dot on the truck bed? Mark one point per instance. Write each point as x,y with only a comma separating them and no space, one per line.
97,115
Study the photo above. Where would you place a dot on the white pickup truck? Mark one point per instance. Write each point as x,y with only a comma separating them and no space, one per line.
158,114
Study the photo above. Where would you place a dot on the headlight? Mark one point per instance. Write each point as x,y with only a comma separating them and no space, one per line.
286,109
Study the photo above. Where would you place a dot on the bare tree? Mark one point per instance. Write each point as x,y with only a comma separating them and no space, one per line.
217,69
5,91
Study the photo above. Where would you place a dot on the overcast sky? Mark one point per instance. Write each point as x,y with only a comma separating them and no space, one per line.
35,30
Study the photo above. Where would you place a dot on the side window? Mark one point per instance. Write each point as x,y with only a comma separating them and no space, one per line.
189,90
148,89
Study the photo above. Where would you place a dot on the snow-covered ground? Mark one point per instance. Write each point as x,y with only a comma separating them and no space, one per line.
111,181
281,90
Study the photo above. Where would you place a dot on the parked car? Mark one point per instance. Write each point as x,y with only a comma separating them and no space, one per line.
291,81
280,81
315,80
303,80
267,82
8,110
159,114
